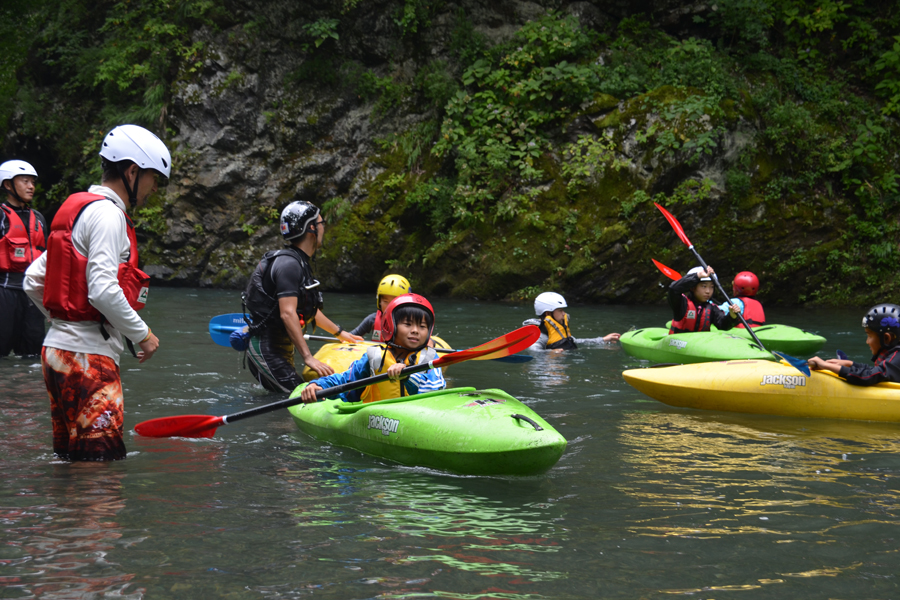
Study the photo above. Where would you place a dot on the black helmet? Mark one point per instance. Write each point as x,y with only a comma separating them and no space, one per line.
298,218
884,318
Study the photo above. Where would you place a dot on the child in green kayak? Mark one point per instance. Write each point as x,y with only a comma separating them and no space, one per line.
882,325
744,288
554,323
692,308
406,328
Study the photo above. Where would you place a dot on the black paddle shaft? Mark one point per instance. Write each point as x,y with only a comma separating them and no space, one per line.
727,297
322,394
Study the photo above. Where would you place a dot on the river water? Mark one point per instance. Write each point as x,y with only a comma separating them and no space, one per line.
647,501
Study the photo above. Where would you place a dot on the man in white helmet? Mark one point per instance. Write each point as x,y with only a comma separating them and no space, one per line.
89,284
23,238
554,323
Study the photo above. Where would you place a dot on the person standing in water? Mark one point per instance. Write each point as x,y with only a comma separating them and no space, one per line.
281,299
89,285
23,238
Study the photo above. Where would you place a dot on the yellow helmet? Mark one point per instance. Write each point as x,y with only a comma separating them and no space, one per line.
391,285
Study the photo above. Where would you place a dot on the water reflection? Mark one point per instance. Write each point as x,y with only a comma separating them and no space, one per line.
791,485
430,524
57,543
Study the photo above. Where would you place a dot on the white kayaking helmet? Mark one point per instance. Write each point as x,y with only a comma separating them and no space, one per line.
697,270
548,302
13,168
140,146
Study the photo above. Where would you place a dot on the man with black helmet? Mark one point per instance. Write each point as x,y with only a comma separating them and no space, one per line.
23,238
281,299
89,284
882,325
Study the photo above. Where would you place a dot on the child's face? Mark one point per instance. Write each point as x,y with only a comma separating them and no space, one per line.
559,315
703,291
411,334
385,300
873,342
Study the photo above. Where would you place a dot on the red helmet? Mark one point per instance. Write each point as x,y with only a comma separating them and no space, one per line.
745,284
388,327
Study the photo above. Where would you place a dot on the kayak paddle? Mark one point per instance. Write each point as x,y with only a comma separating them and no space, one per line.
204,426
798,363
221,327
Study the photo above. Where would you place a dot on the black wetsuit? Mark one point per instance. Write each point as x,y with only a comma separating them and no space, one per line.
281,274
886,368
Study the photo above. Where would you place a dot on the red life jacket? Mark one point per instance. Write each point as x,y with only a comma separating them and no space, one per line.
376,328
67,295
692,321
21,245
753,312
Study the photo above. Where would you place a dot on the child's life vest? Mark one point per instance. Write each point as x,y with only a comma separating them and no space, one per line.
558,334
380,358
752,312
22,244
696,318
66,295
376,327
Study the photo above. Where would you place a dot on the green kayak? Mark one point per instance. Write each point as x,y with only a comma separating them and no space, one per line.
462,430
781,338
784,338
655,344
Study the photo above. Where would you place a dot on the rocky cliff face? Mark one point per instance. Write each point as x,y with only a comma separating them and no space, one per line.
269,118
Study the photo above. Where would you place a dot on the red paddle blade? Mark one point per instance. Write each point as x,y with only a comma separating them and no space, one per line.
670,273
675,225
191,426
505,345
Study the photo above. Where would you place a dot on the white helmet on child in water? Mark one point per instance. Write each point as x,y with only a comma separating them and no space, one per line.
697,270
140,146
548,302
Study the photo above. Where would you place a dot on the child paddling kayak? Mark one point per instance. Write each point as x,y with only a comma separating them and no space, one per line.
692,310
406,328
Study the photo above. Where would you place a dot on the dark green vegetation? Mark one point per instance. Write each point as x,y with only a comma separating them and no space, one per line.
768,127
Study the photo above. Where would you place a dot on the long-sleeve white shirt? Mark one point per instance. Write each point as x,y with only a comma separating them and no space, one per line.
100,234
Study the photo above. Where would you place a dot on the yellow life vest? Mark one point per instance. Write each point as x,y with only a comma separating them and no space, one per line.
556,332
380,359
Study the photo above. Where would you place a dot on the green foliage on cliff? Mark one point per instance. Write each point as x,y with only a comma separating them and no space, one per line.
772,122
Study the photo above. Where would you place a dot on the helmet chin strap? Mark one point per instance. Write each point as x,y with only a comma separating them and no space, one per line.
11,190
132,192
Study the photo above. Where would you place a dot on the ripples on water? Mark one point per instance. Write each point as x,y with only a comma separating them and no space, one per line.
647,501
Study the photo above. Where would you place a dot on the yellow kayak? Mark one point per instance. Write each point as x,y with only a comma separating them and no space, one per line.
767,388
339,356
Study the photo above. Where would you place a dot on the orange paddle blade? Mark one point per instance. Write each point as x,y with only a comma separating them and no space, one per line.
505,345
193,426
